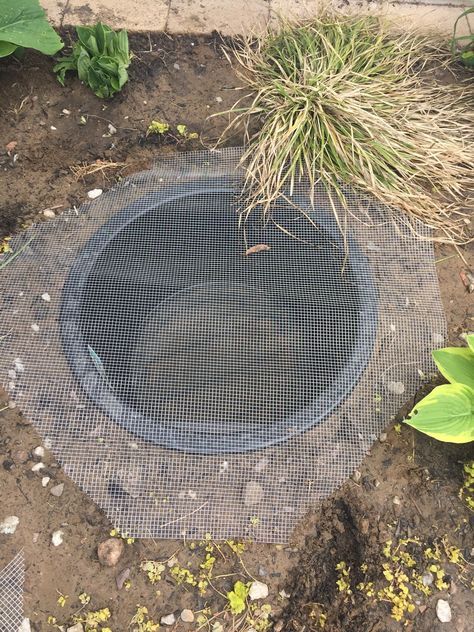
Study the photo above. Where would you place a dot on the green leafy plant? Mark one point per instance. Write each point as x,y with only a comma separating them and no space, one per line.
462,46
237,597
100,57
23,24
343,100
447,413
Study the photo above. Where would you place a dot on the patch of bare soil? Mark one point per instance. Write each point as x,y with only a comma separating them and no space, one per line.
408,485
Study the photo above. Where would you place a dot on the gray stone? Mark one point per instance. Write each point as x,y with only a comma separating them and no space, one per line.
253,493
57,490
443,611
168,619
187,615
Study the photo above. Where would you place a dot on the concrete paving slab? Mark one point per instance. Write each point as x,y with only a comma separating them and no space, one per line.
134,15
229,17
232,17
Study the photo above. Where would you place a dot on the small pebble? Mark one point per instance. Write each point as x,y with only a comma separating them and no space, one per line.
49,213
427,578
187,615
39,451
9,525
383,437
262,571
35,327
443,611
112,129
66,112
57,490
397,388
36,535
46,297
52,128
258,590
37,467
110,551
94,193
396,500
45,480
253,493
176,66
122,578
219,99
78,627
57,537
169,619
356,476
20,456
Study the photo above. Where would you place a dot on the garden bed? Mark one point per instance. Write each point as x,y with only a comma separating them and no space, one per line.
408,486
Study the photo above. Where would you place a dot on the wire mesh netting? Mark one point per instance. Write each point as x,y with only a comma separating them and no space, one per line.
192,388
11,594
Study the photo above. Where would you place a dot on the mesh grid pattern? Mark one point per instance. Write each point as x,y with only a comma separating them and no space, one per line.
11,594
188,387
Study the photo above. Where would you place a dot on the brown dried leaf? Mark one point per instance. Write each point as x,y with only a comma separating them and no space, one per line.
257,248
468,280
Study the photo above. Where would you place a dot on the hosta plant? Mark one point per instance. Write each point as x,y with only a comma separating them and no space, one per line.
100,57
447,413
23,24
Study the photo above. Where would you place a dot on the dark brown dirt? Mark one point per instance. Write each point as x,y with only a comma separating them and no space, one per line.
177,81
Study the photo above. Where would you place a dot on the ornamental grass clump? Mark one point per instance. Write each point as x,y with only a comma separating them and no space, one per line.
344,101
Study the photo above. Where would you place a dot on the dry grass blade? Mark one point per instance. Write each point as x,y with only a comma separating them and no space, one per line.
343,101
83,169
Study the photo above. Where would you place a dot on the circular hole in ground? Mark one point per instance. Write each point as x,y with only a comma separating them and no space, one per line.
187,342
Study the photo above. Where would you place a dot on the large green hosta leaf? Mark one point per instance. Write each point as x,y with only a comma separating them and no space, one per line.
446,414
470,342
23,23
456,364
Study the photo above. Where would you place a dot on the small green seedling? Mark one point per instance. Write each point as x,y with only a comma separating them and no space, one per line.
158,128
100,57
237,597
463,45
23,24
447,413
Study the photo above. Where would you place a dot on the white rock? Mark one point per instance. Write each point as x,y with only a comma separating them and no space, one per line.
258,590
46,297
37,467
94,193
397,388
396,500
219,99
57,537
427,578
9,525
25,626
217,627
66,112
112,129
356,476
253,493
187,615
45,480
35,537
176,66
39,451
169,619
19,366
76,628
35,327
382,437
49,213
443,611
261,465
57,490
53,129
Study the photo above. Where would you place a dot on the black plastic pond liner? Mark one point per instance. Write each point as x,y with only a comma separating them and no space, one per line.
192,345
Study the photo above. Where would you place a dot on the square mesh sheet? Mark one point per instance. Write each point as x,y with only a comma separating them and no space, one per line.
11,594
190,388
